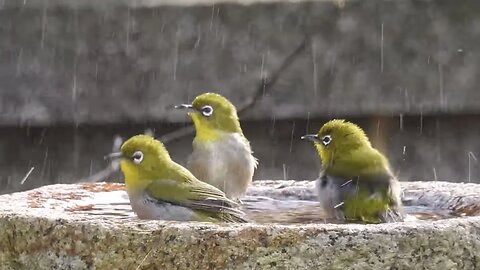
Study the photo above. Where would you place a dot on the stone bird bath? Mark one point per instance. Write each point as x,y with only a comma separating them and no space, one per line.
91,226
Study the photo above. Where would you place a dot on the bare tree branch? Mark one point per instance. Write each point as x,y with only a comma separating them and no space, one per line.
267,83
112,167
177,134
263,89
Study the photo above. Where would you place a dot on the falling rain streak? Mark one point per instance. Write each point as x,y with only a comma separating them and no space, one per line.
175,58
381,50
44,25
421,121
26,176
291,137
401,122
440,83
471,156
314,70
307,126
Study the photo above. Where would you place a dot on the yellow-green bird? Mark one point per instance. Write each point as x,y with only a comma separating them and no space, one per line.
221,154
356,182
159,188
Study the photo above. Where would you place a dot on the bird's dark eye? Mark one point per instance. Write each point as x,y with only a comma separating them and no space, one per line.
326,140
207,110
137,157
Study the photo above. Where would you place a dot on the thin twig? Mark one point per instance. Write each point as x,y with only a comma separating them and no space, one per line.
101,175
264,87
112,167
266,84
177,134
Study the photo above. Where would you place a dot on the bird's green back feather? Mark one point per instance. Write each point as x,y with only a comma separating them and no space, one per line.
165,180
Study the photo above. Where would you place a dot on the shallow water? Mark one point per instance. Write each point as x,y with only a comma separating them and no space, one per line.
267,210
259,209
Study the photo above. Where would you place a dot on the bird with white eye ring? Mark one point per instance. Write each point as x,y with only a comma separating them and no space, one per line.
161,189
326,140
207,110
356,182
137,157
221,154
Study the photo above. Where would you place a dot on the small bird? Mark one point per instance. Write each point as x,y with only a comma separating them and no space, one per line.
356,182
159,188
221,154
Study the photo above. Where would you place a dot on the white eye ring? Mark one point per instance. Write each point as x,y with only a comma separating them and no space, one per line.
326,140
137,157
207,110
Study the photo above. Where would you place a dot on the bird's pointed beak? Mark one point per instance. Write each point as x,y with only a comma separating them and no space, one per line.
311,137
113,156
183,106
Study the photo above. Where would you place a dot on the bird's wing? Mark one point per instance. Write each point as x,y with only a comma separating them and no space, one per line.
189,192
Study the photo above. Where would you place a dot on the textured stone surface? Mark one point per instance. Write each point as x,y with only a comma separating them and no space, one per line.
54,226
123,62
113,61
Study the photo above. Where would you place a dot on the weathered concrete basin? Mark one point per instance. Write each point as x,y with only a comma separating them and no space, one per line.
89,226
73,72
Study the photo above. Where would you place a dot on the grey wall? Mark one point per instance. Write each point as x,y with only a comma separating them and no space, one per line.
95,61
75,73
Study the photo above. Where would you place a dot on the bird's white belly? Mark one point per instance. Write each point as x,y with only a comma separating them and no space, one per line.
216,166
227,164
148,208
330,196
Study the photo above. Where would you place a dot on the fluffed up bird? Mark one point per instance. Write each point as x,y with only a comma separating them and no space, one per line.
356,182
159,188
221,154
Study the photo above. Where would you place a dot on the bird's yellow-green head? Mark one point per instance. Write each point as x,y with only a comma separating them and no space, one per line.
212,114
344,148
337,136
142,159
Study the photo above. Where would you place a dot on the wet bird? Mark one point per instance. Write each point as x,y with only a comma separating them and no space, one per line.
159,188
356,182
221,154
